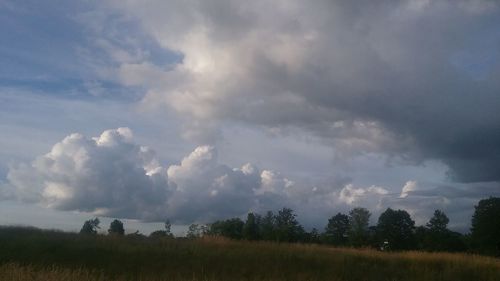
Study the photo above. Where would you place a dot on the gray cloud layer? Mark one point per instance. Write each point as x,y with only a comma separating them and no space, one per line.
414,79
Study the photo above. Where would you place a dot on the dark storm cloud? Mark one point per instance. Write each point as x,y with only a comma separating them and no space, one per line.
414,79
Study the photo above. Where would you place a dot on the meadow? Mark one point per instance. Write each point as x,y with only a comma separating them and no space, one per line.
32,254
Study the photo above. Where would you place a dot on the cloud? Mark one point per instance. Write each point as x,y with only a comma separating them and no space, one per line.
409,187
107,175
350,195
366,77
110,175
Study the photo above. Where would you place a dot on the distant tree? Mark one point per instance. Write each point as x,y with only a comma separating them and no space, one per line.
90,227
163,233
116,228
194,231
168,227
251,227
359,219
336,229
231,228
438,222
287,228
313,236
136,235
267,226
396,227
435,236
485,229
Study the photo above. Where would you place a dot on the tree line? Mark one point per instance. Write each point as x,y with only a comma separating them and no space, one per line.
394,230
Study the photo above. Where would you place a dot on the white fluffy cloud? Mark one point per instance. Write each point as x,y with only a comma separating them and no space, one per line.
110,175
107,175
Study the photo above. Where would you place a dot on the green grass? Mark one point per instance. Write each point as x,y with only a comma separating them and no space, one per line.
27,254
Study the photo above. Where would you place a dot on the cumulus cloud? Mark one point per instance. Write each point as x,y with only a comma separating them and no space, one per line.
405,79
350,194
111,175
107,175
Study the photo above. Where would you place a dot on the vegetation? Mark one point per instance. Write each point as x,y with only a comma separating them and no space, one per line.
31,254
90,227
395,230
116,228
336,230
269,247
486,226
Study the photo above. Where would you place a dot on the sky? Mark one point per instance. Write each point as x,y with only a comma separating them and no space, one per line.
196,110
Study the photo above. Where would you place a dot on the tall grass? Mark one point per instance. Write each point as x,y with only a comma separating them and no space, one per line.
28,254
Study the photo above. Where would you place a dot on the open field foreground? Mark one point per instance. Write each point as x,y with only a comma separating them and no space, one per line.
27,254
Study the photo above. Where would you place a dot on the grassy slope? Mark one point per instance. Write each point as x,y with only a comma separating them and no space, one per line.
40,255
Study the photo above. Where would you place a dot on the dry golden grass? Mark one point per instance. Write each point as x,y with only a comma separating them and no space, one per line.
27,256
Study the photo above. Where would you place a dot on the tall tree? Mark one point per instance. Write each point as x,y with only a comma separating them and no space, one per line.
359,219
163,233
336,229
251,227
231,228
396,227
438,222
486,226
288,228
90,227
267,226
116,228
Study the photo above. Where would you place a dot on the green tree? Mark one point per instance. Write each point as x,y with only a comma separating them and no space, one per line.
396,227
314,236
251,227
231,228
438,222
194,231
435,236
359,219
163,233
288,228
90,227
267,227
336,229
116,228
486,226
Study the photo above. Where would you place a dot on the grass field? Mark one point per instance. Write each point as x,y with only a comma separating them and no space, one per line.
28,254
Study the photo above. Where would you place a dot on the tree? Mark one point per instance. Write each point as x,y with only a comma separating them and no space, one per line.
396,227
231,228
288,228
439,222
163,233
267,227
251,227
336,230
358,226
168,227
90,227
116,228
485,229
313,236
195,231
